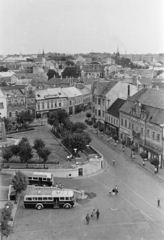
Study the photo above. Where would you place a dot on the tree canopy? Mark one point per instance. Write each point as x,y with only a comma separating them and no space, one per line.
71,72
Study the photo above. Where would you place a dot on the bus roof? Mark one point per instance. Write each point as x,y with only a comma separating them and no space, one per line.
49,191
41,174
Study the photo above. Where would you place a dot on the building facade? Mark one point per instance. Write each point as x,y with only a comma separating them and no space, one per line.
50,100
141,121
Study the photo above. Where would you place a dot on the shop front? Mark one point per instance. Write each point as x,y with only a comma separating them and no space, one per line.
153,152
114,130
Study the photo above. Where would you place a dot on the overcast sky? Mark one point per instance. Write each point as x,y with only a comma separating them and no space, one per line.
81,26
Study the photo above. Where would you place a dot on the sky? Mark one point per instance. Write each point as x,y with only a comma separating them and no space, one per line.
81,26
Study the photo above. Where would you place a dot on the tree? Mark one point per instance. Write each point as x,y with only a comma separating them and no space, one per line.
51,73
15,150
88,115
71,72
25,152
25,117
44,154
5,229
39,144
7,154
95,126
77,141
87,138
3,69
8,124
58,117
143,156
20,182
78,126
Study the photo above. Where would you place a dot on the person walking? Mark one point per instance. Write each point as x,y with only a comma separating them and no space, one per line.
93,213
87,219
97,214
113,162
158,202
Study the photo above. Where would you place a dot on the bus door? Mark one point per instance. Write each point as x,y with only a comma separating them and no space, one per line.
56,202
40,181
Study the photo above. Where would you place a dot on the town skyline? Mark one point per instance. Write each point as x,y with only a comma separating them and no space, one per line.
74,27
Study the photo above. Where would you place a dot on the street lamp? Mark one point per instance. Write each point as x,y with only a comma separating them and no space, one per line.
75,149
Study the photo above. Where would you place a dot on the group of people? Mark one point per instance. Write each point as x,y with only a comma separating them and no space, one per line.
59,185
95,213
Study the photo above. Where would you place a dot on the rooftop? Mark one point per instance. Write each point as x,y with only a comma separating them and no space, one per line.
114,108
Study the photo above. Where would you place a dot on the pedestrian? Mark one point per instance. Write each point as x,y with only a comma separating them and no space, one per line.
93,213
113,162
116,189
97,214
87,219
158,202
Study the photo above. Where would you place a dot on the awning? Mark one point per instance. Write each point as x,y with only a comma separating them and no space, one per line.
101,121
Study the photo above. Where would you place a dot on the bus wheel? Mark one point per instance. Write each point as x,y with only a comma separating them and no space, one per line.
67,206
39,206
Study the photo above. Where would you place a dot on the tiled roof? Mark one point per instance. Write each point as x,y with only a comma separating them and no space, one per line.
108,87
71,91
150,97
114,108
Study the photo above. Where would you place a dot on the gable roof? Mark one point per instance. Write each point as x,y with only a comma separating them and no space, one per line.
102,87
71,92
114,108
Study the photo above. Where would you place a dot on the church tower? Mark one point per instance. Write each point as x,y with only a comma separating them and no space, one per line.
43,59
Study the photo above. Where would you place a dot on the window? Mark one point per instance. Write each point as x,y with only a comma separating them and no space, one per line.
48,105
49,198
60,104
148,133
43,105
38,106
121,122
153,135
29,199
35,178
62,198
44,198
51,104
141,131
99,112
99,101
39,198
10,114
128,90
35,198
44,179
103,114
132,126
126,123
111,120
129,125
158,137
29,178
95,112
67,198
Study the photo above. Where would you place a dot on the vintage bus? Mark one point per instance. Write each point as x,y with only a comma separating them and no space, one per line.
41,179
49,197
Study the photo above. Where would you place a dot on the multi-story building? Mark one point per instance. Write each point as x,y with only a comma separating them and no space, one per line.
49,100
94,69
112,117
87,95
105,93
142,122
30,101
75,99
16,100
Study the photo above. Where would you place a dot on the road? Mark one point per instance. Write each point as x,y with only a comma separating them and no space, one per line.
131,215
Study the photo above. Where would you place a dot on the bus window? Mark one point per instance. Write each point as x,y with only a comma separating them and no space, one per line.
49,198
44,198
29,178
48,179
39,198
35,198
35,178
29,199
67,198
62,198
44,179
